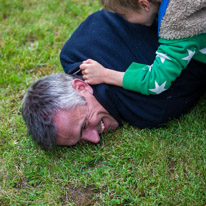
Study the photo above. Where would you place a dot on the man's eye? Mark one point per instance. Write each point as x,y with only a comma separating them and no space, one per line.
84,126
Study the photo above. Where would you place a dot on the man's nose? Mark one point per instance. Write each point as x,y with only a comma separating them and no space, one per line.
91,136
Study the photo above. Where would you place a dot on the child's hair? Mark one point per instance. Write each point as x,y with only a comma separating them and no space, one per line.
113,5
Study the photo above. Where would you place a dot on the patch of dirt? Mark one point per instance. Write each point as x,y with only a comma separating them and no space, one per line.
80,196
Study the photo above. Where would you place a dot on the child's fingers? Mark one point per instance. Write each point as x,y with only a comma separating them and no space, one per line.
88,61
85,71
83,66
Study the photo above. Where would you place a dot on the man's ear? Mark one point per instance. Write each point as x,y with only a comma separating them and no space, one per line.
81,87
145,4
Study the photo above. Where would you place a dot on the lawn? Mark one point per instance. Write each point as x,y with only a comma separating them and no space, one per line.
165,166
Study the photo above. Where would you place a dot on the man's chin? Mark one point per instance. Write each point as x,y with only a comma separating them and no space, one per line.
113,127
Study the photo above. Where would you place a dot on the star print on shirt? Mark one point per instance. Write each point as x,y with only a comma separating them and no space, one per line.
190,55
203,51
150,67
158,88
162,56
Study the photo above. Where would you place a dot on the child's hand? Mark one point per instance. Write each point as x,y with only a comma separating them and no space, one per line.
93,72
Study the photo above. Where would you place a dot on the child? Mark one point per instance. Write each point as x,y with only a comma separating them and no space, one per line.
182,32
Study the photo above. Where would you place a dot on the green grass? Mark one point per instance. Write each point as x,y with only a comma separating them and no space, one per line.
165,166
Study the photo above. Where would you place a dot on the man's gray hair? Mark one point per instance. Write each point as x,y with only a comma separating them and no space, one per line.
43,99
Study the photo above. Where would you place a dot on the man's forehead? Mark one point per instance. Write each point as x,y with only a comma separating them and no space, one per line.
70,115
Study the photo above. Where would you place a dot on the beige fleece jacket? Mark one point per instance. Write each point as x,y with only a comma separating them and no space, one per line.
183,18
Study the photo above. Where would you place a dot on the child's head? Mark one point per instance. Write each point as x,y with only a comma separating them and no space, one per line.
135,11
114,5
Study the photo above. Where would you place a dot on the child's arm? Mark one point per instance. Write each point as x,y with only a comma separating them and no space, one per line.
95,73
172,57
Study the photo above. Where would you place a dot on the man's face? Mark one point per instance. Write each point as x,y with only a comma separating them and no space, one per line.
85,122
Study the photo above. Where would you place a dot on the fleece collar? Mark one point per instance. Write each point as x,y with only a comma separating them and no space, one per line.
182,18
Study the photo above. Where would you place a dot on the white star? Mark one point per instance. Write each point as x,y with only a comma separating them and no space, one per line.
158,88
190,55
150,67
203,51
162,56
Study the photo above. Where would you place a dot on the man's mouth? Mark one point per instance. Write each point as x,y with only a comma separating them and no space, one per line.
102,126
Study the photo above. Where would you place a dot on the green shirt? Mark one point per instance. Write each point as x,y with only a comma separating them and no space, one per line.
172,57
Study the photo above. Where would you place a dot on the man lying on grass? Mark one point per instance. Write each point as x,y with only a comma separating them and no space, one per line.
62,109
